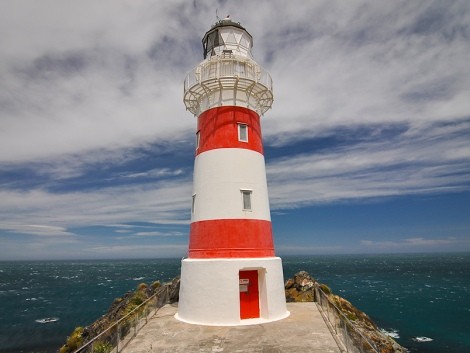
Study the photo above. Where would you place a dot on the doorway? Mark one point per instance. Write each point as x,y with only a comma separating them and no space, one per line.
249,294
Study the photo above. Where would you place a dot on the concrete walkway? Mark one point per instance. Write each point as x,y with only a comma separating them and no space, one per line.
303,331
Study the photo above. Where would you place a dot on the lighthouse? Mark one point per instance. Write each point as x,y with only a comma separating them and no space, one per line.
231,275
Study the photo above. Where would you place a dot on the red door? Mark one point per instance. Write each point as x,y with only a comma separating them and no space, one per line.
249,294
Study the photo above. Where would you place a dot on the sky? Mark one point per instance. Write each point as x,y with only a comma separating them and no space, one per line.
367,144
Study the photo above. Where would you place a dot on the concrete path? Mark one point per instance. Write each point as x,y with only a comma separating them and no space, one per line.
303,331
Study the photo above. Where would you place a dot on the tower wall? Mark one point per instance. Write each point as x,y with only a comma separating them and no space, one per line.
210,291
232,276
218,128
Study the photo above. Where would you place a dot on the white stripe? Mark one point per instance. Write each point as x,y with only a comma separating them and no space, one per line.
219,177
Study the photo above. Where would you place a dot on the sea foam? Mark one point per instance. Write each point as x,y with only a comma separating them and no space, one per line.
391,333
422,339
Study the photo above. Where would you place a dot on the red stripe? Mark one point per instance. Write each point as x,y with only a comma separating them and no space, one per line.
228,238
218,128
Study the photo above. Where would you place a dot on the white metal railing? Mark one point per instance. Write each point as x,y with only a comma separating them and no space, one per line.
347,333
228,80
231,66
120,333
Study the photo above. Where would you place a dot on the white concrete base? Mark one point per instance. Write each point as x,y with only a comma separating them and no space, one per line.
209,292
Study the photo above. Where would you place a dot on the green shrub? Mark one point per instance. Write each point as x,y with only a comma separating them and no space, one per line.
325,288
142,286
138,298
103,347
74,341
156,285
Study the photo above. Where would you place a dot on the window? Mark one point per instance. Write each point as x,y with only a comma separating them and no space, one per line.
193,204
243,132
198,139
246,199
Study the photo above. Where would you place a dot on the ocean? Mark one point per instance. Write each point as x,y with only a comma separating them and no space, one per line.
422,300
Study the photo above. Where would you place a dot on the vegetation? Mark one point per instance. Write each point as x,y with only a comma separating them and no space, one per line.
325,289
156,285
103,347
351,316
74,341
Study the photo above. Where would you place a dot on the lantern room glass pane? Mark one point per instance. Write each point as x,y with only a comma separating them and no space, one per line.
213,40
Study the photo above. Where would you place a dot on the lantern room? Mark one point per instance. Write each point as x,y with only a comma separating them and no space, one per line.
227,38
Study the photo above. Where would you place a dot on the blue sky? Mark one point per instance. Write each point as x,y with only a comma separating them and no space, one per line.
367,145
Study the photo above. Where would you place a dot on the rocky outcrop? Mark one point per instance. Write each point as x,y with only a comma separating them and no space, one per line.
167,293
359,319
301,288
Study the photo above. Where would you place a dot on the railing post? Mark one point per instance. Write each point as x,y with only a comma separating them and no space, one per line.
118,333
345,336
167,295
336,323
135,324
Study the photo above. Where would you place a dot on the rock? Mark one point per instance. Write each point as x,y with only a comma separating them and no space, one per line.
174,290
289,283
303,281
300,288
291,295
306,296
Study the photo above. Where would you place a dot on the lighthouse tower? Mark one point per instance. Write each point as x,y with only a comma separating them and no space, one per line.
231,275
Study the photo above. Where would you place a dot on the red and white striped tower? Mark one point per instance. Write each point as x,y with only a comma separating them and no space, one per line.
232,276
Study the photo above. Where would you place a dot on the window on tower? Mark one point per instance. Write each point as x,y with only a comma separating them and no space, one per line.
198,139
243,132
246,199
193,204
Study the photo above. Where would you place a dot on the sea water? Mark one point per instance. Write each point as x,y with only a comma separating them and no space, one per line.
422,300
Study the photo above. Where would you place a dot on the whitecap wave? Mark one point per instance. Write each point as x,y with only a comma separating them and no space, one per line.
391,333
422,339
138,278
47,320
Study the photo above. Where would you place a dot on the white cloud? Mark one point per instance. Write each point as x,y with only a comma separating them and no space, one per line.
137,251
289,249
164,203
154,173
368,63
89,76
412,163
39,230
418,243
159,234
